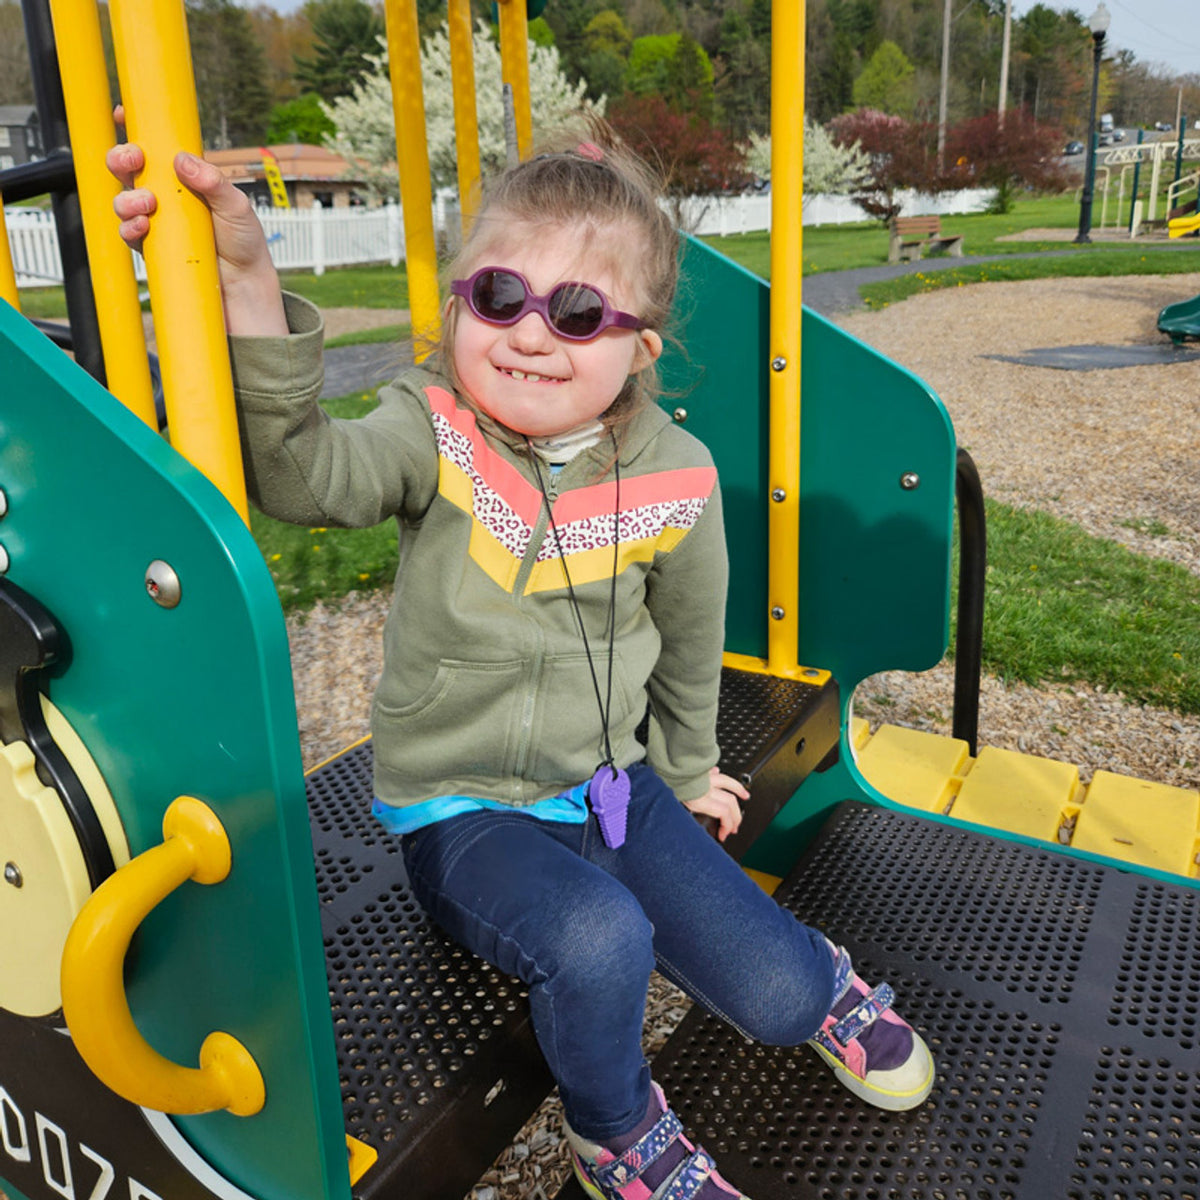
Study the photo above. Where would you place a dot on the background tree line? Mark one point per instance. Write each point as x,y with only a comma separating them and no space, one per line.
685,80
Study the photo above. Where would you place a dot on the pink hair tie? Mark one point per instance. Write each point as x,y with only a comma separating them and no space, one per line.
590,150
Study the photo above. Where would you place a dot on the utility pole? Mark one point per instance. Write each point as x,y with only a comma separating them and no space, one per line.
941,143
1005,46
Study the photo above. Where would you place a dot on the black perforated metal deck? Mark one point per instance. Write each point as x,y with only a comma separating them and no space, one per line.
1061,1000
437,1061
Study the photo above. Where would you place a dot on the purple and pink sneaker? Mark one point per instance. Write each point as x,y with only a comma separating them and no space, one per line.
876,1055
661,1165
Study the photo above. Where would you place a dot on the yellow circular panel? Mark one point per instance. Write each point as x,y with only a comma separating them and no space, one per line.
43,876
44,884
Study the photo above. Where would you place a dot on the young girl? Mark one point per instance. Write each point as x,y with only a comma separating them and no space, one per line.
562,570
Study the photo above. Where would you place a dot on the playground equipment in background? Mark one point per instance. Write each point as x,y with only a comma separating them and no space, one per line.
1186,226
1181,321
1058,987
1157,154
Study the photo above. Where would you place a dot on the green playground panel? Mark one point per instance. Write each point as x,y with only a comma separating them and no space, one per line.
1181,320
191,700
874,554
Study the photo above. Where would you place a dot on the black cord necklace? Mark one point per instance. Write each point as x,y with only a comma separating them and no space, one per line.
608,791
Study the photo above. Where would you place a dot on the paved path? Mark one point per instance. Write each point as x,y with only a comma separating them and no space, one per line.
834,292
354,368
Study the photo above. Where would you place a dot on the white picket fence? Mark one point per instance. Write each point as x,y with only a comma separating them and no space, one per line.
305,239
723,216
316,238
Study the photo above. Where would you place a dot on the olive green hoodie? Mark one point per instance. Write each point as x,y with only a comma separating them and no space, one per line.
486,688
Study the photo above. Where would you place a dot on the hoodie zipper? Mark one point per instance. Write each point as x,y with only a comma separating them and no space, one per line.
537,657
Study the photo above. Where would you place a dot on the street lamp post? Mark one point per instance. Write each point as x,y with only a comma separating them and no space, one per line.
1098,24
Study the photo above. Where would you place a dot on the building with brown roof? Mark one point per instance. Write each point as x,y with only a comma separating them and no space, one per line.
310,173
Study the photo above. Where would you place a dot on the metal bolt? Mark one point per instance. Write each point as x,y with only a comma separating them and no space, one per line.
910,480
680,415
4,560
811,672
777,613
778,495
778,363
12,874
162,584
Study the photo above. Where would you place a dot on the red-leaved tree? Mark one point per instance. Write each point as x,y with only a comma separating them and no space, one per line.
903,155
982,152
1007,155
695,157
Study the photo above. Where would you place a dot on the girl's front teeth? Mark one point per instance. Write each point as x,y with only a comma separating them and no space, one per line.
530,377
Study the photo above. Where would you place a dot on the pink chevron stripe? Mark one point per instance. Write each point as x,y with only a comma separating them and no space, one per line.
500,476
637,491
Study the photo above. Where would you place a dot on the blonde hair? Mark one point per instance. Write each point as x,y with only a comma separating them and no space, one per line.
600,183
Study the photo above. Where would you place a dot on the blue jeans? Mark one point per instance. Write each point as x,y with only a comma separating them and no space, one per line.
583,926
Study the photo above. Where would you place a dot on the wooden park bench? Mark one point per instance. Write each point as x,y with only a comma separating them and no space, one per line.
911,236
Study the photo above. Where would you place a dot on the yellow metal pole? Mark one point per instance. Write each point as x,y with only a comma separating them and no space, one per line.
514,68
466,119
787,200
8,276
159,94
89,115
412,157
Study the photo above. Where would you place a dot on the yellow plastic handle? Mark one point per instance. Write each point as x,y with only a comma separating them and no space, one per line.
195,847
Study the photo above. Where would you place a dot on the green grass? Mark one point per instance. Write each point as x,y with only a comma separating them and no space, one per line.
1098,261
845,247
352,287
370,337
44,303
343,287
1061,605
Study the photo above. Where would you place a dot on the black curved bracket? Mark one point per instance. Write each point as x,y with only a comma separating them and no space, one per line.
30,642
972,575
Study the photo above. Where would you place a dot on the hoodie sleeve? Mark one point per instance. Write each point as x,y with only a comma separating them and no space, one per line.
309,468
685,593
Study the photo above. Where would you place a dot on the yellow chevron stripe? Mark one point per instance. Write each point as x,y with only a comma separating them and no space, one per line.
496,560
588,566
456,485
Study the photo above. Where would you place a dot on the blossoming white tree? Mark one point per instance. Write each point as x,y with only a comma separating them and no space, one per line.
365,123
829,169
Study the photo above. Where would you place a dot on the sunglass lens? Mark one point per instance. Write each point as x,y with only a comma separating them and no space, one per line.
575,310
498,296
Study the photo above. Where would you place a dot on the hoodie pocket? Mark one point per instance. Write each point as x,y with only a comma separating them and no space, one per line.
464,725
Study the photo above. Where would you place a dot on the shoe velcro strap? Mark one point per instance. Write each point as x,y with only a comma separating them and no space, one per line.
693,1173
640,1155
868,1010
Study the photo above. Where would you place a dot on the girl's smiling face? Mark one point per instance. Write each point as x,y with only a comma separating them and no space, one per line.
524,376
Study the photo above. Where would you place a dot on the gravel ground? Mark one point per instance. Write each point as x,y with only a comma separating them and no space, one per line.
1114,451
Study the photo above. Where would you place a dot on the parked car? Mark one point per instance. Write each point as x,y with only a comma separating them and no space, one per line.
1073,148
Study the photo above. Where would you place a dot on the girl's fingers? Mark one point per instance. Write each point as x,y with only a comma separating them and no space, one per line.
125,161
137,202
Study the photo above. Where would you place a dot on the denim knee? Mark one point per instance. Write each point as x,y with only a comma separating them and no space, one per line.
784,999
601,941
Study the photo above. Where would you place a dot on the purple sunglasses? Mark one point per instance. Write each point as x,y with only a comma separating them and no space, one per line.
575,311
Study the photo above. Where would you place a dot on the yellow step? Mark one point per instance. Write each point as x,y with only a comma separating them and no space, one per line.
1133,820
1151,824
921,770
1019,792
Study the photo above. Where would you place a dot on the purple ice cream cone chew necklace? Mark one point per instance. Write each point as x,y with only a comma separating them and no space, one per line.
608,791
